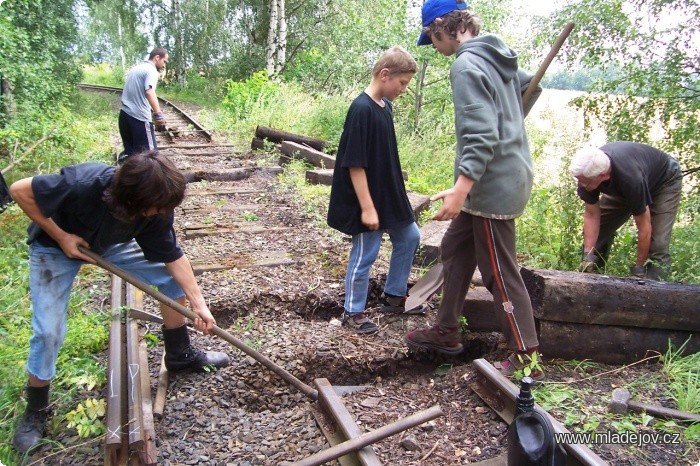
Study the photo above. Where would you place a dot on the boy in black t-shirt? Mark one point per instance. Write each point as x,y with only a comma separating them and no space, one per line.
623,179
368,196
125,214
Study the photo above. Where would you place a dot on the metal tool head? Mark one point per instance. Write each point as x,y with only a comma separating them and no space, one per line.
143,315
425,287
619,401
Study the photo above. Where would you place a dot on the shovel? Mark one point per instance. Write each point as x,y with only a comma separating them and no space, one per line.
425,287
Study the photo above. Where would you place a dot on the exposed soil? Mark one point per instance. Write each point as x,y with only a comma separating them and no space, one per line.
245,415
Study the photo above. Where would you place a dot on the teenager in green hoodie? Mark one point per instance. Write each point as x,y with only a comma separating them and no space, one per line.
493,180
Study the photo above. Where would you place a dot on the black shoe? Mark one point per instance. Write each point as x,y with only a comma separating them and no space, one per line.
393,305
196,360
181,356
30,430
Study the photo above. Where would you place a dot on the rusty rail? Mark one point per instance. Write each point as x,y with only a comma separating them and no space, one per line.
140,384
357,443
129,420
334,406
116,444
164,102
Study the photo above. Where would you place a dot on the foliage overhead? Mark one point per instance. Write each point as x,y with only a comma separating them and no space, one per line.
37,65
653,46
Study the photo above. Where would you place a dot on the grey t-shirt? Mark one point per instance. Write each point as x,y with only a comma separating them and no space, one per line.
141,77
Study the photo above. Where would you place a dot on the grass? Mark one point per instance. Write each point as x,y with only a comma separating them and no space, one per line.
581,403
683,373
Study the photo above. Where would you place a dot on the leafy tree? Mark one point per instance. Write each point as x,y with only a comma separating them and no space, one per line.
111,33
581,79
653,46
36,64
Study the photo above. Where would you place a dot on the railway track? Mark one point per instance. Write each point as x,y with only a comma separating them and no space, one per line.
221,219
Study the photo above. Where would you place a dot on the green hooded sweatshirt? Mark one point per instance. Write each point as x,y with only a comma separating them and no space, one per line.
492,147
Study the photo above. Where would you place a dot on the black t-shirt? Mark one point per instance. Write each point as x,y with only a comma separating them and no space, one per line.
638,171
73,199
369,141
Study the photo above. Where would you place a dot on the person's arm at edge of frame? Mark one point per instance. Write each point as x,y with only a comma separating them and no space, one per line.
643,222
591,226
181,270
370,218
23,195
453,199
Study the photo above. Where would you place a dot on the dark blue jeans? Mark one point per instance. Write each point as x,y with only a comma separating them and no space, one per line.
137,136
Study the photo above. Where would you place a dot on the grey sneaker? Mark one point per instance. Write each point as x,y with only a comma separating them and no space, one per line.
360,323
392,305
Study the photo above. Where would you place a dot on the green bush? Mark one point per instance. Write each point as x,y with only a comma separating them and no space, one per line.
242,96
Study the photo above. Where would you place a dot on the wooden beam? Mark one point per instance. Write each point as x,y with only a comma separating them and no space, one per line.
609,344
602,300
276,135
311,155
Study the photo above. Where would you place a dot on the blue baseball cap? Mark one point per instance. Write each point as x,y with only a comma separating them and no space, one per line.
433,9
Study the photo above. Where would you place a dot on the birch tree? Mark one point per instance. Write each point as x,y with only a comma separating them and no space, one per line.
276,51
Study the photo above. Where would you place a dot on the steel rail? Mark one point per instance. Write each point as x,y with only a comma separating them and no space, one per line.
116,443
137,432
334,406
165,102
370,437
141,383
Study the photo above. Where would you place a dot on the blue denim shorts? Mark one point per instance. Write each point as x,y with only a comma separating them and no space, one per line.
51,275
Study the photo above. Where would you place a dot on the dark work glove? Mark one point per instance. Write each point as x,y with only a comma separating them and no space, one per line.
588,263
639,271
159,121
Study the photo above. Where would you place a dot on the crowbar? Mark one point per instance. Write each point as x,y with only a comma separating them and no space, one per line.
285,375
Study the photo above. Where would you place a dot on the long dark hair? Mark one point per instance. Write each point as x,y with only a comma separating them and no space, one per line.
145,181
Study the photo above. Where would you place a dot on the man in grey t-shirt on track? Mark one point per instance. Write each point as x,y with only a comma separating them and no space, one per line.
136,125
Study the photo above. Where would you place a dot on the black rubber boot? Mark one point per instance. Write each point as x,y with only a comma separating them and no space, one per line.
32,427
180,355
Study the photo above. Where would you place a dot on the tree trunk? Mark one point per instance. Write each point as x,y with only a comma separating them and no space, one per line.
120,34
420,80
9,107
276,135
276,51
270,53
282,37
179,52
